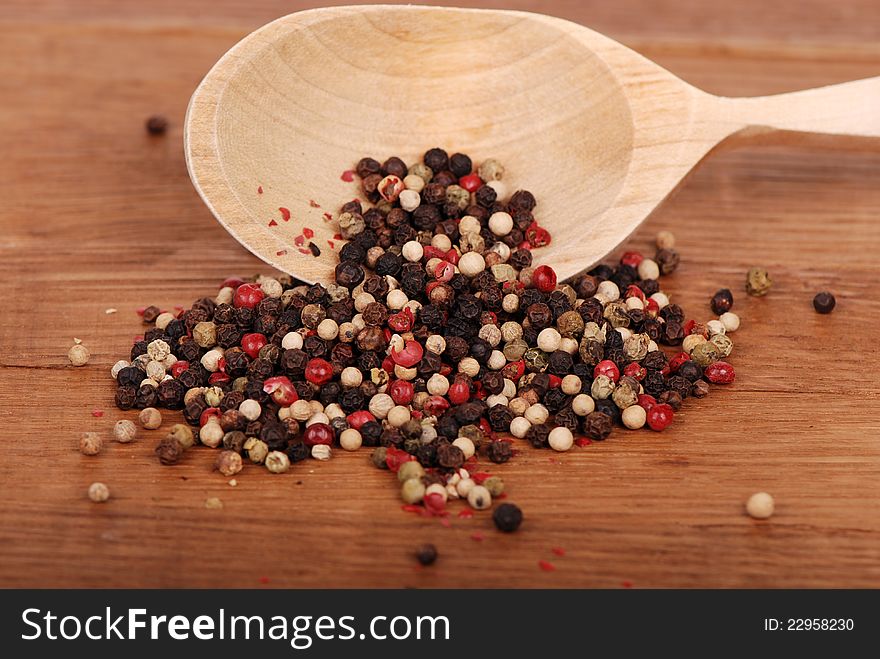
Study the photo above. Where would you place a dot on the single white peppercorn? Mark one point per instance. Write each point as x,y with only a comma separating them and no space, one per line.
150,418
321,452
396,299
277,462
582,405
158,350
437,385
760,505
225,295
609,290
250,409
124,431
350,439
634,417
466,444
665,240
98,492
409,200
649,269
351,377
549,339
502,250
413,182
661,299
730,321
537,414
510,303
334,411
182,434
79,355
491,334
471,264
301,410
271,287
90,443
412,251
569,345
228,463
292,340
380,405
602,387
496,399
519,427
211,434
691,341
518,405
634,302
442,242
257,450
318,417
413,491
560,439
211,359
715,327
118,366
205,334
496,360
491,170
499,186
500,223
163,319
328,329
469,366
469,224
571,385
436,344
398,415
464,486
479,498
509,389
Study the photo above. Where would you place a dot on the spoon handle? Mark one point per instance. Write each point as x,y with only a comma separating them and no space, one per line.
850,108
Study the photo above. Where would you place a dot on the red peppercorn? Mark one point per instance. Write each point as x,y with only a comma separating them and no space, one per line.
434,503
720,373
435,405
179,367
318,433
514,370
607,368
430,252
459,393
632,259
208,413
634,291
410,355
359,418
395,458
647,401
282,390
402,321
232,282
401,392
471,182
651,308
252,344
218,378
388,365
452,256
247,295
677,360
444,271
660,416
537,236
319,371
635,370
555,381
544,279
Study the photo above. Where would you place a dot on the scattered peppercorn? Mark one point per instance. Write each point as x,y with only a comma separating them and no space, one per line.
98,492
426,554
156,125
90,443
824,302
760,505
78,355
758,282
507,517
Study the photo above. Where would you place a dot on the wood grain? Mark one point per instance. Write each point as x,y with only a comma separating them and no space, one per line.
96,214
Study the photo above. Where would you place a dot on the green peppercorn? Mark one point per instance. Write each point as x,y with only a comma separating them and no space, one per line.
412,490
495,486
410,470
377,457
536,359
705,353
758,282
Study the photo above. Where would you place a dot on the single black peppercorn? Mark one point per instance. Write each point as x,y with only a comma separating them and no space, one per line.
722,301
459,164
156,125
426,554
499,451
507,517
824,302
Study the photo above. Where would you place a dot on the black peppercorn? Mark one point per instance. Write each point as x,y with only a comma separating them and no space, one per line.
156,125
349,274
125,396
690,370
597,426
297,452
824,302
507,517
722,301
367,166
426,554
667,259
449,456
170,394
459,164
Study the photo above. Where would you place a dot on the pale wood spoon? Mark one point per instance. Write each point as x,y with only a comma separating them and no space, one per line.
600,134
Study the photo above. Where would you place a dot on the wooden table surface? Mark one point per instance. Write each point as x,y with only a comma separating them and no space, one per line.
96,215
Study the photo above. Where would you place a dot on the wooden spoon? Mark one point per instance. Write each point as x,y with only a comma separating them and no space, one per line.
600,134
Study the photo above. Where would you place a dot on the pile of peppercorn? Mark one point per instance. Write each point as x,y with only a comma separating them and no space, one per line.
436,343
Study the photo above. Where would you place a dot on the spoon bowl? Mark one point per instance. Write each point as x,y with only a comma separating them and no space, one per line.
600,134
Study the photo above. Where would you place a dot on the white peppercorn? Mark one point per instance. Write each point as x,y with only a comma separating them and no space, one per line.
496,399
436,344
500,223
610,290
714,327
518,405
471,264
396,299
634,303
211,359
479,498
665,240
409,200
277,462
442,242
79,355
560,439
466,444
469,224
661,299
90,443
602,387
510,303
211,434
436,488
509,390
491,334
413,182
163,319
496,360
380,405
158,350
464,486
124,431
437,385
760,505
328,329
319,417
398,415
292,340
150,418
225,295
98,492
228,463
691,341
730,321
412,251
413,491
257,450
549,339
634,417
118,366
351,377
582,405
469,366
301,410
250,409
490,170
537,414
321,452
571,384
205,334
182,434
350,439
649,269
